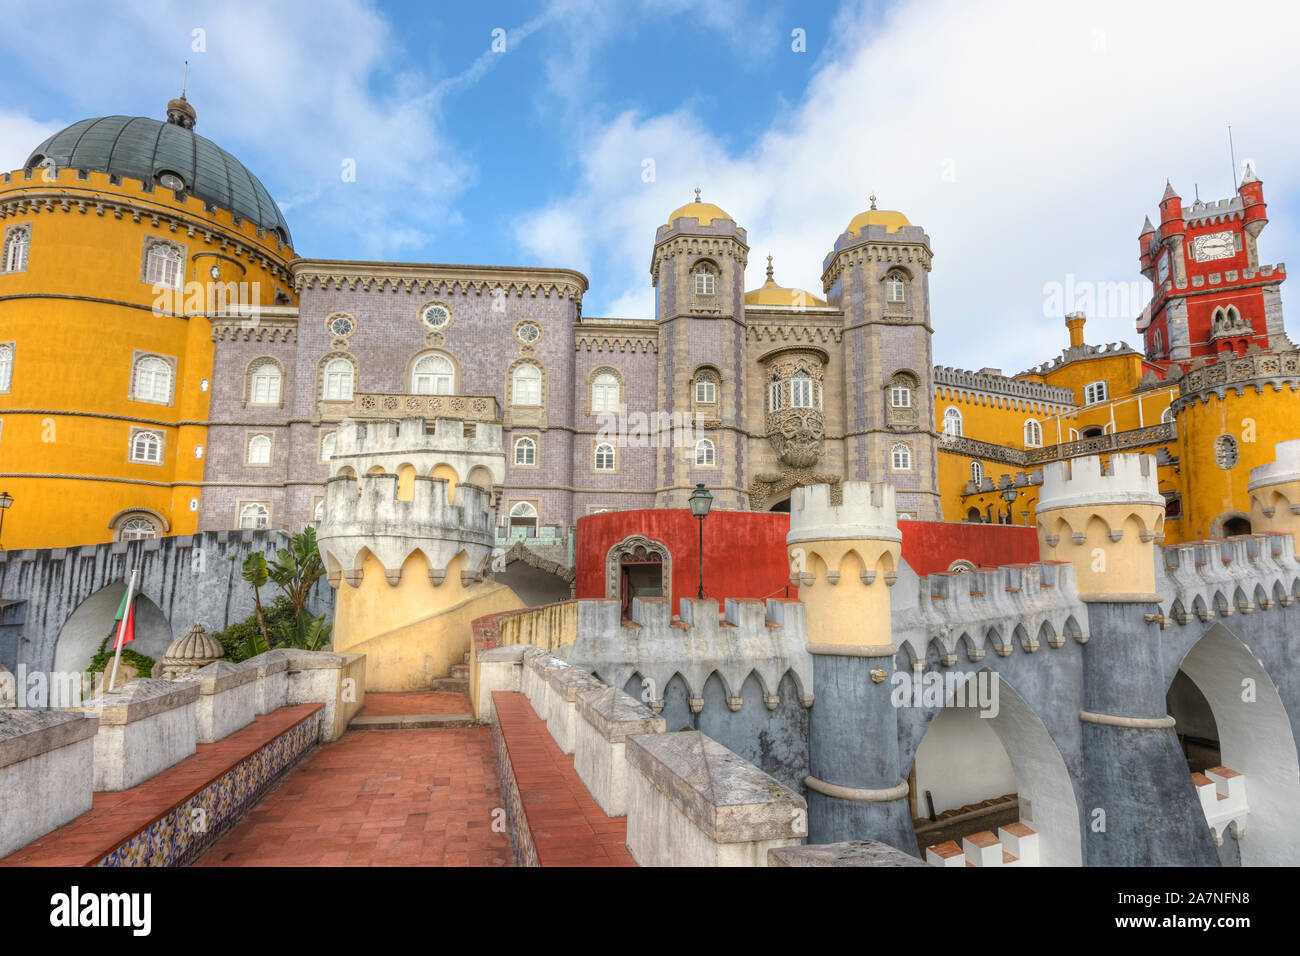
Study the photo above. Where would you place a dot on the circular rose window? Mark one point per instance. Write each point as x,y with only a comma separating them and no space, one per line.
528,332
436,316
341,326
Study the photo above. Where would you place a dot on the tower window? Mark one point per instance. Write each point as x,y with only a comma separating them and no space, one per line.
604,393
524,515
163,265
895,289
706,280
976,473
433,375
264,383
527,382
775,394
1167,415
900,457
6,367
705,454
900,395
136,529
339,378
604,457
152,380
259,450
17,244
525,451
801,390
1033,434
327,445
254,516
952,422
706,390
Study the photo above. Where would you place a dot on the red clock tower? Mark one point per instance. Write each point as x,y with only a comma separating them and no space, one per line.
1212,297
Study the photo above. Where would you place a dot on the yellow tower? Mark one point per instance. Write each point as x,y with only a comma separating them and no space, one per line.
1104,521
1275,492
119,238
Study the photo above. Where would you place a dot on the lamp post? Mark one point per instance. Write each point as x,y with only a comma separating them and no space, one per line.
1009,496
6,500
701,501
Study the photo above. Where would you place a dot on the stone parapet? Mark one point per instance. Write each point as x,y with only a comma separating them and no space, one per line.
45,772
144,728
272,683
692,802
226,702
607,717
322,677
499,668
563,686
855,853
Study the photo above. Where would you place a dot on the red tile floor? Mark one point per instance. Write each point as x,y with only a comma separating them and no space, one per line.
417,702
379,798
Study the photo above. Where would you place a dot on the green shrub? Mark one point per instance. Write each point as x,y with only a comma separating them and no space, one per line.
236,639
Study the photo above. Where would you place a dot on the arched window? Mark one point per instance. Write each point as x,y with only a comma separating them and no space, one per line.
952,421
525,451
524,515
153,380
254,515
604,393
163,266
339,379
895,289
146,447
6,367
604,457
900,393
705,453
976,473
706,279
17,244
259,450
1167,415
901,457
136,529
527,385
433,375
775,396
1033,434
327,445
706,389
264,383
801,390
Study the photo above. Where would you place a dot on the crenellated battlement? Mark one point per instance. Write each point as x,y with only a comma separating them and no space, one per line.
767,640
1202,580
365,516
1127,479
866,512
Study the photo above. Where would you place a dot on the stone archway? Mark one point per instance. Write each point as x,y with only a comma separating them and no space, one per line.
536,580
1230,523
87,627
636,548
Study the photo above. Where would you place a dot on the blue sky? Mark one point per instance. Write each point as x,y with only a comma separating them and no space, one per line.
1030,139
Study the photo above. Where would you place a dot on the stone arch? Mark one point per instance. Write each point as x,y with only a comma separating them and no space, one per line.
676,712
1230,524
408,374
481,476
1041,776
535,579
635,545
92,621
1255,739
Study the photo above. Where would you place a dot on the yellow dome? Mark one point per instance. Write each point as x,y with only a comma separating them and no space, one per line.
769,293
891,219
705,212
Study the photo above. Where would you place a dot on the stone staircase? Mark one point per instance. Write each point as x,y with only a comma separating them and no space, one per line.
1015,844
400,711
457,682
1222,792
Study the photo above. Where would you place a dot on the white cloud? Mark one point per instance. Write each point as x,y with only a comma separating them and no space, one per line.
1029,140
19,134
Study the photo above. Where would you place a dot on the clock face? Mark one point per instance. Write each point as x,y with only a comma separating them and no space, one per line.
1217,245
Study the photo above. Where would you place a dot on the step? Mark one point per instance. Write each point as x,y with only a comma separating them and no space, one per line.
945,854
412,721
460,671
450,685
983,849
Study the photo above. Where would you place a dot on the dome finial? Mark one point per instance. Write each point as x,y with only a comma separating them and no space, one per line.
872,197
179,111
697,193
769,268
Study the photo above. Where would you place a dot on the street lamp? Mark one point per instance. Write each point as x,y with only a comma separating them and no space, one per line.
6,500
701,501
1009,496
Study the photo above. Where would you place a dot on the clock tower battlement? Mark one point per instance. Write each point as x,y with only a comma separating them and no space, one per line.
1212,297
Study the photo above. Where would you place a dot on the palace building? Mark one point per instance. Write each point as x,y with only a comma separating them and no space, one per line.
168,365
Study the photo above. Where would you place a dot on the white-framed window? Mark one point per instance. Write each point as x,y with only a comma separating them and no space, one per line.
525,451
327,445
604,393
163,265
775,396
604,457
527,389
976,473
1033,434
6,367
259,450
705,454
900,395
433,375
264,383
18,243
254,516
900,457
1095,392
137,529
146,447
706,280
801,390
339,378
153,380
706,391
895,289
524,515
1167,415
952,421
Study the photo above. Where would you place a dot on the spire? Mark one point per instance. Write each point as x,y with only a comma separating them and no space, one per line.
1250,176
1169,192
769,268
1147,228
179,111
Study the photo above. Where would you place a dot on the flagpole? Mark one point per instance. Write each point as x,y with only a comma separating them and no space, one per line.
121,632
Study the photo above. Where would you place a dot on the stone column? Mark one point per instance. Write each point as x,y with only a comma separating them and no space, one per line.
844,557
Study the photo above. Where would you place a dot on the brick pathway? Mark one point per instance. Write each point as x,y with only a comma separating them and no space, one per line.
568,826
379,798
416,702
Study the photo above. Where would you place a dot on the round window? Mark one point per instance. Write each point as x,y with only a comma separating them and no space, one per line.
341,326
436,316
1225,451
528,332
169,180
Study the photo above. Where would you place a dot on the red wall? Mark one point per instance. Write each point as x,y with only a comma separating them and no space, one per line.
745,556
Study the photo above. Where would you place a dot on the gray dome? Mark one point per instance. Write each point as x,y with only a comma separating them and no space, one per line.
144,149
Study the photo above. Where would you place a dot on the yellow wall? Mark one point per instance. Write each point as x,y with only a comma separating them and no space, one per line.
76,315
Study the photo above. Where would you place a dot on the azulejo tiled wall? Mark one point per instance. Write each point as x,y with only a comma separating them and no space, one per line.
521,837
181,835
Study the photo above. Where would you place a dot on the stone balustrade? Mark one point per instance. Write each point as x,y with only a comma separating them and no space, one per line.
499,668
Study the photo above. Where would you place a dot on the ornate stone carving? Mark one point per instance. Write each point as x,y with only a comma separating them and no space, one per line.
796,435
765,488
639,548
189,652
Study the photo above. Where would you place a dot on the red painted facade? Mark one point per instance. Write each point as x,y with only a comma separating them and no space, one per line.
745,556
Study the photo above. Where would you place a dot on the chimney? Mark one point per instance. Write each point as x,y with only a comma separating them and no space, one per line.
1074,322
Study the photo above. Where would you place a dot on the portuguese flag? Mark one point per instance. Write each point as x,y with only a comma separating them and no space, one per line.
125,633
